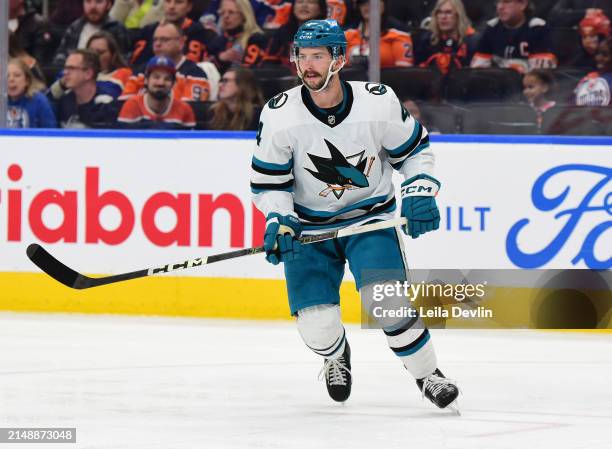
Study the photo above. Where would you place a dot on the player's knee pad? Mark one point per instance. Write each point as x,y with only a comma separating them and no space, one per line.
321,329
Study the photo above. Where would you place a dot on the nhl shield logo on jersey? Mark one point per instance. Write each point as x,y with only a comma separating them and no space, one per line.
331,119
338,173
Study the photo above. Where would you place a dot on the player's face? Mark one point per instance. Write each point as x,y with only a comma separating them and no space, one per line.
100,46
603,58
17,81
446,17
167,42
511,11
304,10
176,10
231,17
159,84
533,88
314,65
95,10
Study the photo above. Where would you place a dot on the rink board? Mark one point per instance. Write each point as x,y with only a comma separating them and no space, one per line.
108,202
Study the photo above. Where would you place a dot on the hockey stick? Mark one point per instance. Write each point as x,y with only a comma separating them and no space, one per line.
70,278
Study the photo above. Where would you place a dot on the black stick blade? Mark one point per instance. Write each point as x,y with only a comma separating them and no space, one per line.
54,268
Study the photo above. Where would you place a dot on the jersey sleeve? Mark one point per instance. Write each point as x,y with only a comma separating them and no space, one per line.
272,169
133,86
99,112
189,120
541,55
130,112
278,47
45,112
194,89
567,13
338,11
406,141
484,50
142,49
198,38
255,50
353,41
281,12
403,49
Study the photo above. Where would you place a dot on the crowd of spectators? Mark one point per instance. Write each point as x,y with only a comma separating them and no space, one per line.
210,64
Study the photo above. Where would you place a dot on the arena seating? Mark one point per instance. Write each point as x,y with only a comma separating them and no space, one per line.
479,11
354,73
273,86
440,118
200,110
566,79
271,71
566,44
415,83
483,85
543,7
579,120
499,119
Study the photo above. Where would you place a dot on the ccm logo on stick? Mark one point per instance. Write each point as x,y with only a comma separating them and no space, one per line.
177,266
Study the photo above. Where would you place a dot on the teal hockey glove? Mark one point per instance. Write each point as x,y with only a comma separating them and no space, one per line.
281,238
419,205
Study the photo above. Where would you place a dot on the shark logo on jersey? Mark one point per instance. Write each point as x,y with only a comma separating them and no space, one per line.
338,173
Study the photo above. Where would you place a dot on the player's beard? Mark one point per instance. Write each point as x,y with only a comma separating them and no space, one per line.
316,83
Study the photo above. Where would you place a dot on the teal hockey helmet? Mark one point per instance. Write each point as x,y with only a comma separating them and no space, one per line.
321,33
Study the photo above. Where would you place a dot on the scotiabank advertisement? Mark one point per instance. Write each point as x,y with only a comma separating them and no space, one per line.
114,202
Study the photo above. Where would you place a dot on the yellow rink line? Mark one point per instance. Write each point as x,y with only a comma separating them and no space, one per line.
264,299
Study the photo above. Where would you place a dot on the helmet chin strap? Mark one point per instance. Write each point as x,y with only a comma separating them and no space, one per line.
330,73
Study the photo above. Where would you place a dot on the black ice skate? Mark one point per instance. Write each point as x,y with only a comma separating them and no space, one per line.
338,375
439,390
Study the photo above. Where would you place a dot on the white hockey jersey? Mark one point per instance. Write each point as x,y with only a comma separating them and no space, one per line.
332,167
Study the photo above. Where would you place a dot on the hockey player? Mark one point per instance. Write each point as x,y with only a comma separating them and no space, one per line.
324,158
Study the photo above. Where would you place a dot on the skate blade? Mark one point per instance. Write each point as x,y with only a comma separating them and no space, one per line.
454,407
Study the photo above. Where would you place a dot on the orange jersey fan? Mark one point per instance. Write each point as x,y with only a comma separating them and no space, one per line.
136,114
396,49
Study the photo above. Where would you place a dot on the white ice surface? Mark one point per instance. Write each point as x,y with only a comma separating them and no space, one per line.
186,383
